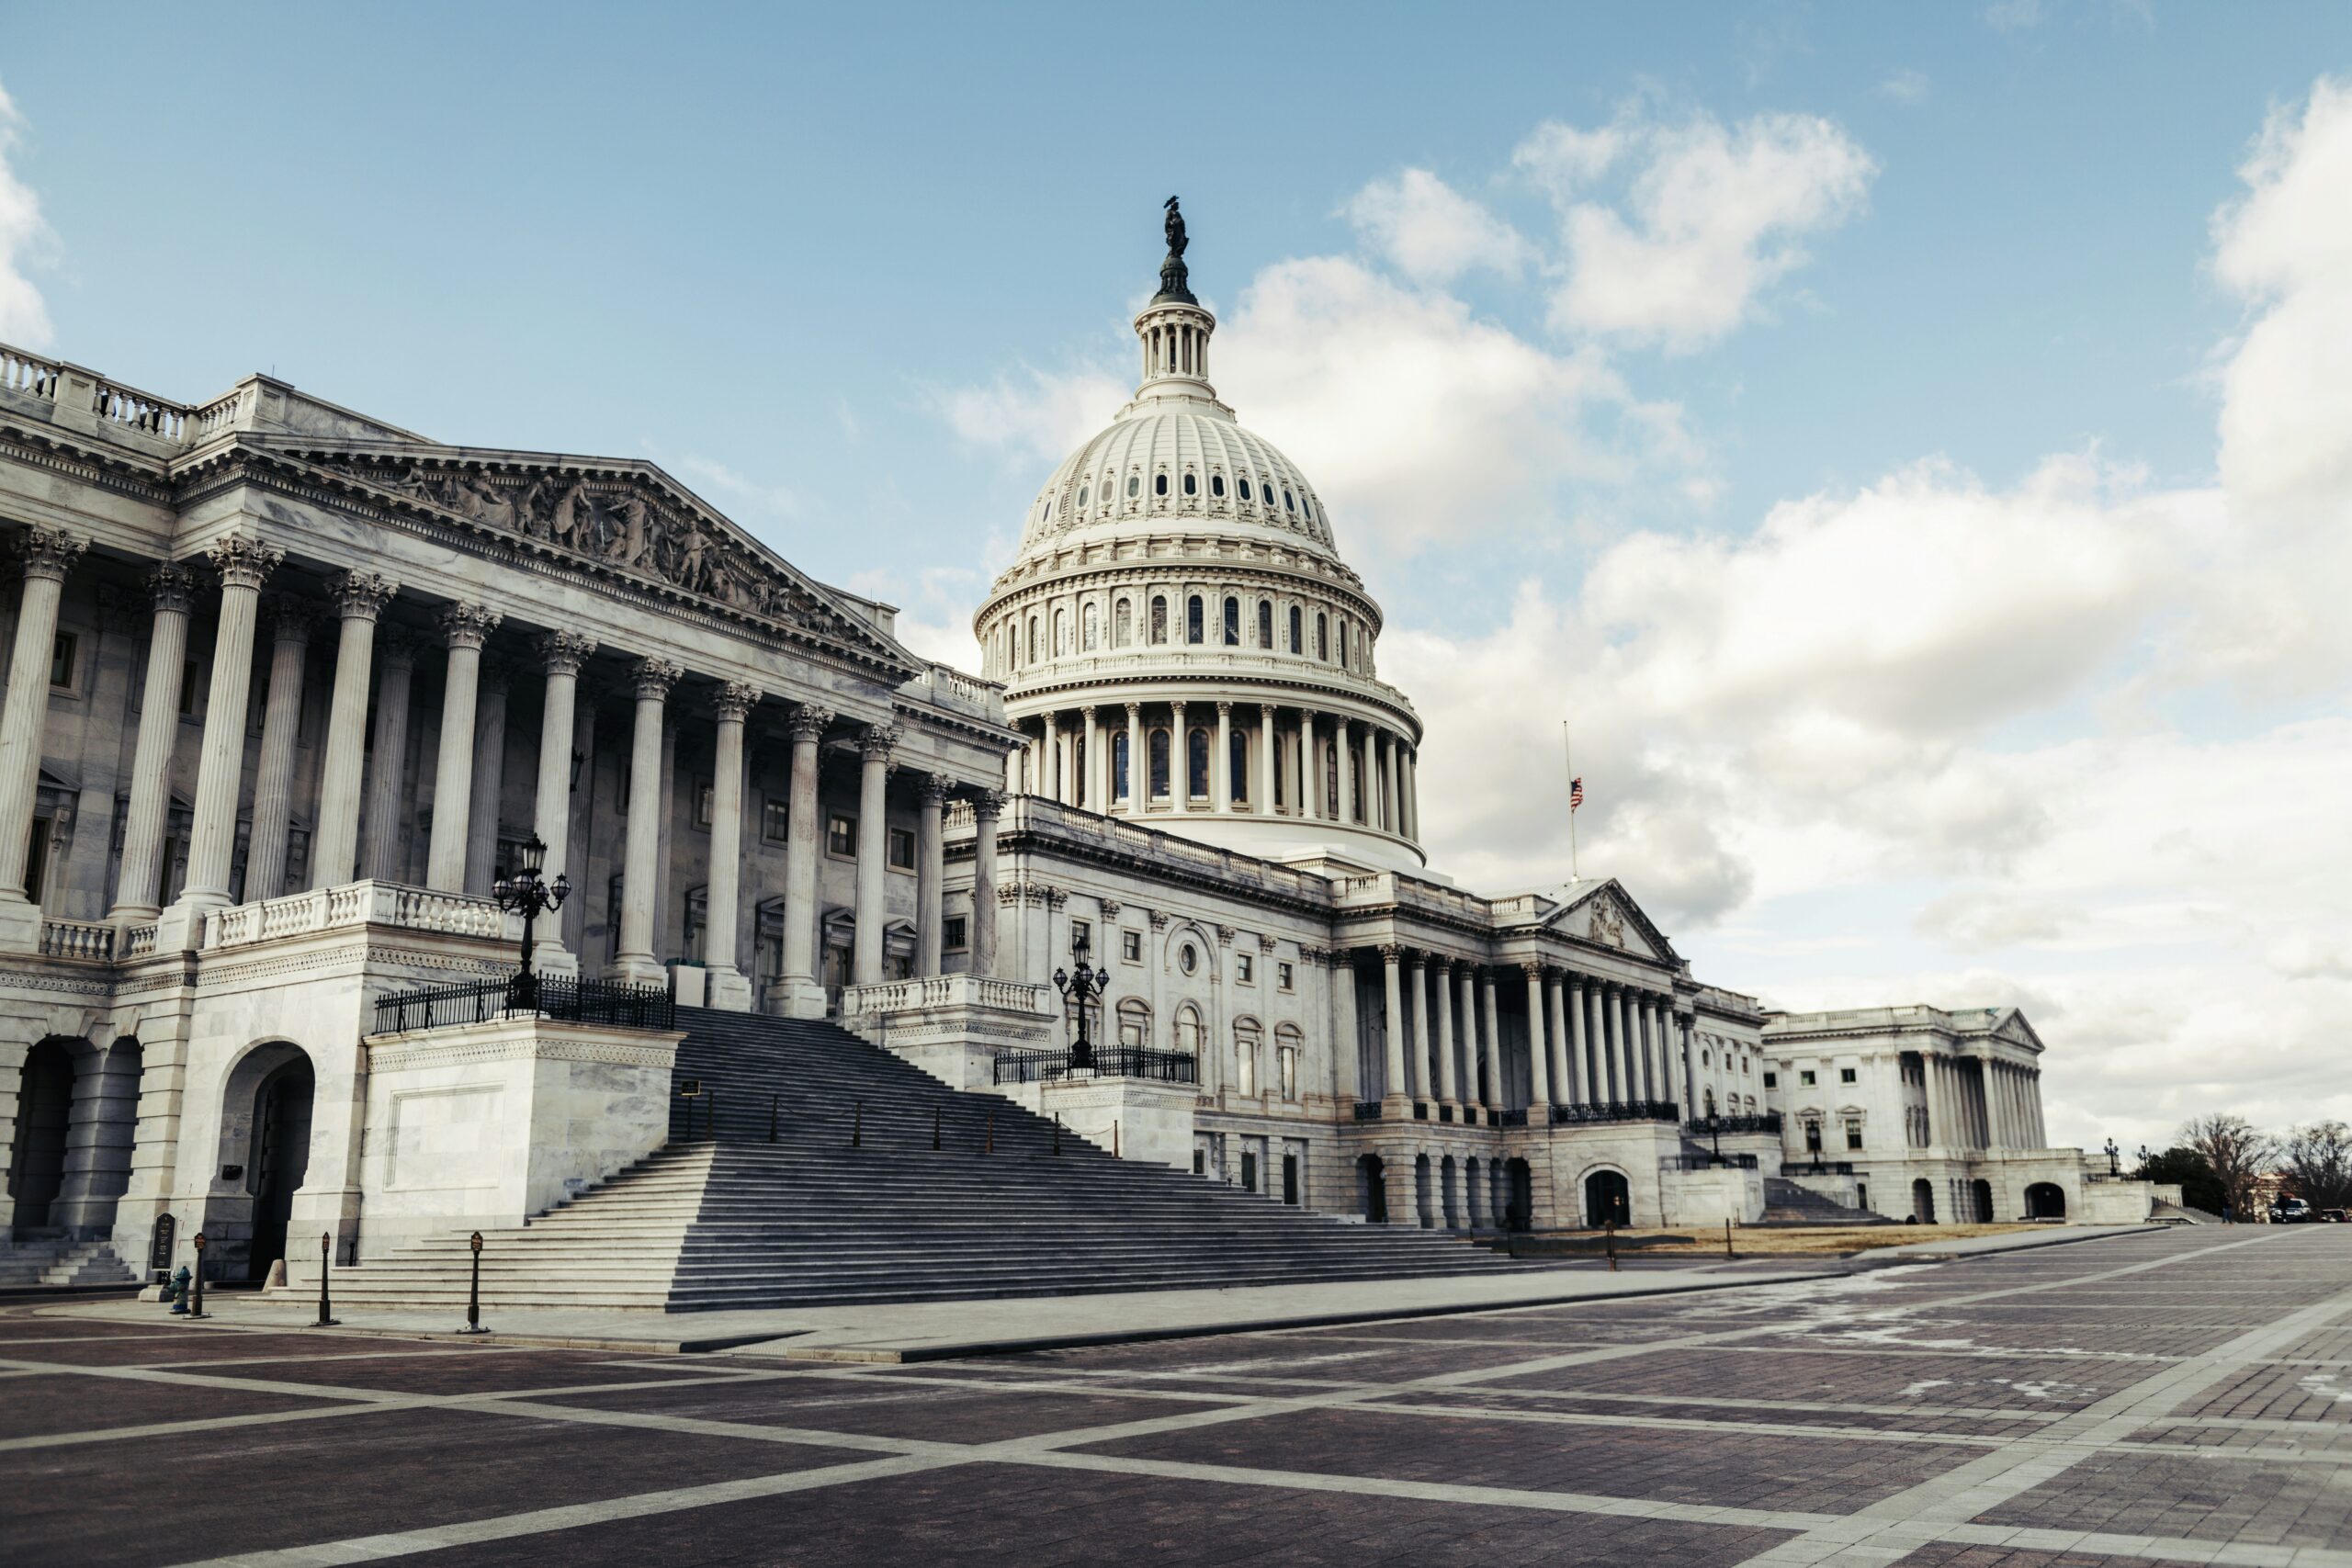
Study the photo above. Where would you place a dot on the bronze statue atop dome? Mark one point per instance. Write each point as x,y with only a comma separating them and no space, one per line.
1171,271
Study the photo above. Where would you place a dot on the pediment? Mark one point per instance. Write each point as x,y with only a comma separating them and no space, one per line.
2013,1028
621,517
1604,915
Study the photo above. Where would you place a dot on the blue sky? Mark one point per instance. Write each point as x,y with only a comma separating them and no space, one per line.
1890,560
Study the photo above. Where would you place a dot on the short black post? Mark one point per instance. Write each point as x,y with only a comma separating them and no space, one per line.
1608,1234
1114,1138
934,1126
989,1147
196,1310
1727,1238
1057,1132
326,1257
473,1293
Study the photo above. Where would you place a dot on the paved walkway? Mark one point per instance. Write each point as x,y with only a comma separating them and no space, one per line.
2180,1396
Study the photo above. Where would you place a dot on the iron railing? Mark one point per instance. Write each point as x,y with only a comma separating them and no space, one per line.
1819,1168
614,1003
1706,1162
1514,1117
1108,1062
1769,1122
1617,1110
1367,1111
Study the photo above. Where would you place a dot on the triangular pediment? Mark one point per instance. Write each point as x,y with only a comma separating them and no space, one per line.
617,516
2013,1028
1602,914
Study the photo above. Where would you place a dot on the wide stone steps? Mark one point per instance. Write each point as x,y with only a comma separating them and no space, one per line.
1788,1203
851,1202
58,1261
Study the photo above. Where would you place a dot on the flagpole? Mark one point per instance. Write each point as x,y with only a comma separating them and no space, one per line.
1568,745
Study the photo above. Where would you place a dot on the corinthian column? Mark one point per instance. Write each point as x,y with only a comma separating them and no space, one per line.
1310,773
1539,1051
388,759
1400,1088
1139,765
931,865
1339,756
803,995
1091,771
1441,978
1417,985
49,555
987,806
873,749
489,773
243,564
1221,762
359,598
721,903
274,775
1267,745
642,846
563,654
465,627
1180,760
138,888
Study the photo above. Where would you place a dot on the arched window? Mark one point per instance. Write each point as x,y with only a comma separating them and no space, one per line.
1160,484
1135,1025
1037,648
1266,624
1194,631
1061,633
1159,618
1287,505
1245,489
1082,491
1237,765
1298,636
1287,1041
1232,621
1134,487
1192,485
1245,1058
1217,487
1343,644
1121,623
1196,764
1188,1030
1323,637
1307,506
1355,785
1092,629
1119,766
1330,780
1160,763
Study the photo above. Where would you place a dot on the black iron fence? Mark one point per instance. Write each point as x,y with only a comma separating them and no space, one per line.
1707,1162
1107,1062
1617,1110
1819,1168
1769,1122
613,1003
1367,1111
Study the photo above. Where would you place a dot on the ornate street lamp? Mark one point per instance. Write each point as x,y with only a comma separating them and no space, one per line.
2114,1166
1715,1131
1082,989
526,892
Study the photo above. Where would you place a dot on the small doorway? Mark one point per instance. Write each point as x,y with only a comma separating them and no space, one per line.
1519,1201
281,1158
2045,1201
1422,1207
44,1108
1290,1180
1372,1179
1922,1201
1980,1196
1608,1199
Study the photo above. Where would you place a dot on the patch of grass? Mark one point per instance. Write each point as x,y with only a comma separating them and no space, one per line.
1812,1239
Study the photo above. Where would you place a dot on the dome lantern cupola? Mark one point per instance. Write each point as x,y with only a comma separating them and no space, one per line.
1175,328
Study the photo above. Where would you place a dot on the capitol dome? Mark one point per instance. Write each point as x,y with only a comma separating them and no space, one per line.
1180,639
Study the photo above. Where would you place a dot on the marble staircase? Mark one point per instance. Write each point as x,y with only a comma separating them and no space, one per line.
58,1262
1787,1203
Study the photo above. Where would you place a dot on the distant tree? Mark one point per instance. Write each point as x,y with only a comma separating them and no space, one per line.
2317,1162
2234,1151
2199,1187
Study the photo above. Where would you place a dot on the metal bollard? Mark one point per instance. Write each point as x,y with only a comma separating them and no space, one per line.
326,1257
1608,1232
1114,1138
989,1147
1727,1238
1057,1132
196,1310
473,1293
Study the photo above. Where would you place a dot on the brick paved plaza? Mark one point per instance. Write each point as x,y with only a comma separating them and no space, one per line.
2180,1397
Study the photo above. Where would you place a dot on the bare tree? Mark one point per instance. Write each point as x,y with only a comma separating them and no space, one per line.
2318,1163
2236,1152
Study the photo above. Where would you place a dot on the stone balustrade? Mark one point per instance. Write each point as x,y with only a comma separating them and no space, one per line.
946,990
952,688
354,904
89,941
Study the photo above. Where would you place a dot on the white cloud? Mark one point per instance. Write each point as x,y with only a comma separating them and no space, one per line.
1906,87
1431,232
25,241
1712,216
1036,415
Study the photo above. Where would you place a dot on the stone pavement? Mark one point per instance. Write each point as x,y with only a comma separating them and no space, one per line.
2174,1397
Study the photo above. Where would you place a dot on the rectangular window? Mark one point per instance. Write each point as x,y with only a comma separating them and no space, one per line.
1131,946
64,655
1081,934
776,819
1804,1078
704,797
1853,1132
1282,976
841,836
953,937
1771,1080
902,849
1845,1075
1286,1064
1245,969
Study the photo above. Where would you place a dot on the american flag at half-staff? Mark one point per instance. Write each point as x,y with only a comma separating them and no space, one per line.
1576,795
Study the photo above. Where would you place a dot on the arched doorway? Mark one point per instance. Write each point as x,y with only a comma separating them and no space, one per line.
2045,1201
1519,1203
281,1156
44,1111
1980,1196
1448,1173
1476,1200
1608,1199
1422,1209
1372,1183
1922,1201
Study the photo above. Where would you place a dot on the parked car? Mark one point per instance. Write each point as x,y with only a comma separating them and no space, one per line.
2331,1216
2292,1212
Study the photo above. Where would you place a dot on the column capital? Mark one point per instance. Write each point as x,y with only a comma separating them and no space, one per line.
50,553
988,804
1134,712
1532,969
1225,710
877,742
467,625
1390,952
1088,710
809,722
242,560
292,620
1110,908
931,789
171,587
361,595
654,677
396,647
562,653
734,701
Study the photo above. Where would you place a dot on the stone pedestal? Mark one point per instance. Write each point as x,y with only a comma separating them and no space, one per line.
1137,1117
951,1026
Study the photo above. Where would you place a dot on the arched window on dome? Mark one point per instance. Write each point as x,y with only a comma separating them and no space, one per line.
1245,489
1122,618
1322,636
1331,782
1307,506
1287,505
1193,630
1082,490
1356,784
1343,644
1196,765
1160,484
1297,636
1191,484
1119,767
1159,764
1236,763
1036,645
1061,633
1091,627
1266,624
1232,621
1217,487
1134,487
1159,618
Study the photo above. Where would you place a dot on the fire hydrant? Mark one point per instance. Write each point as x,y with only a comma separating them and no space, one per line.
179,1293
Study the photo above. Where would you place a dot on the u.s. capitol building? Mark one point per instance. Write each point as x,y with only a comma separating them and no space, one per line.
291,690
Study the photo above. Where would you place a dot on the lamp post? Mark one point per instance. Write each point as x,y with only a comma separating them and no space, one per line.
526,892
1081,988
2144,1162
2114,1166
1715,1131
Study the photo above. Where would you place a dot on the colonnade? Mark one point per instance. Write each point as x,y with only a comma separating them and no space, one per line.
1594,1045
1996,1107
1135,758
462,844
